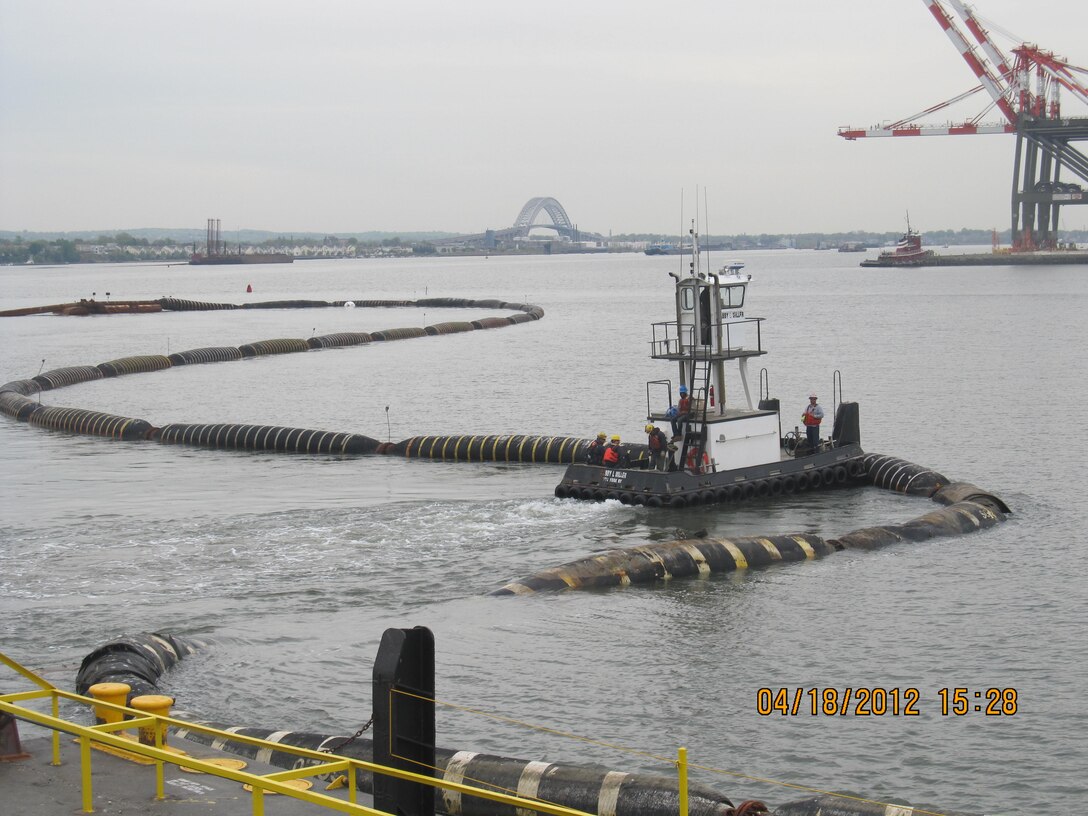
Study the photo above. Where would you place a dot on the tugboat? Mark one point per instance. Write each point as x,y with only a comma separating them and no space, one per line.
725,448
908,252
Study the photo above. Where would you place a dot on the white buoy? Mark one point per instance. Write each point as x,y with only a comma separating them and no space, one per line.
349,304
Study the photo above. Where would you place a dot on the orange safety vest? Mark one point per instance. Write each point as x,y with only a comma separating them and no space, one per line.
611,455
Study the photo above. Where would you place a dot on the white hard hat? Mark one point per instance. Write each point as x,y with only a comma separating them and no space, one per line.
812,395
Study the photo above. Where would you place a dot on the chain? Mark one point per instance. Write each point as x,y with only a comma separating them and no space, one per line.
350,739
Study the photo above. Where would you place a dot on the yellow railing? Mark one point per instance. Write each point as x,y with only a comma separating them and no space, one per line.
323,763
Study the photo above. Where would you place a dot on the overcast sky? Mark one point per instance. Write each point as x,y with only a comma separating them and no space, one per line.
354,115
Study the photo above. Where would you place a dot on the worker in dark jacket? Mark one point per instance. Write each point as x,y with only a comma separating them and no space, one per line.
596,449
658,444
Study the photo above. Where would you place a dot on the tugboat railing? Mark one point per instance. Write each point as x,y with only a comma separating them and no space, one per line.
675,341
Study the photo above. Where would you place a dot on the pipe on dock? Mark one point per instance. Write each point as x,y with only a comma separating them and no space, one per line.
592,789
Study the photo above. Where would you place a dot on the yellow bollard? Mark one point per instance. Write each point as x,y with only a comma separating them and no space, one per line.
157,704
115,693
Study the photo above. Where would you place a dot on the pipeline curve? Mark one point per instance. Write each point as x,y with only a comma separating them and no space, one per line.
16,402
965,509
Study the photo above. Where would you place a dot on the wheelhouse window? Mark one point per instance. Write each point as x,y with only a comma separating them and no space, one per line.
733,296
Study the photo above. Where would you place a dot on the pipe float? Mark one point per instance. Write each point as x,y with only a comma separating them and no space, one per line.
682,558
588,788
137,660
452,327
72,375
283,345
406,333
226,436
902,476
339,340
134,365
182,305
17,406
91,423
493,448
212,354
24,387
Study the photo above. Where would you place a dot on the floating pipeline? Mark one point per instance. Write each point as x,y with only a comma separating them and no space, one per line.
15,399
831,805
284,345
141,364
226,436
339,340
592,789
72,375
138,660
211,354
89,423
966,509
500,448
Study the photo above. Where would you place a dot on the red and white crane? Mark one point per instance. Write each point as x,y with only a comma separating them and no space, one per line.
1043,136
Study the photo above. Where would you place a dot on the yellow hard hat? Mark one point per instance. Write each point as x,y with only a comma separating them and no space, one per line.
615,438
602,435
648,428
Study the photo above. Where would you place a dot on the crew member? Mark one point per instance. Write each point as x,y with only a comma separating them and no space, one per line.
658,447
596,449
683,408
611,456
812,417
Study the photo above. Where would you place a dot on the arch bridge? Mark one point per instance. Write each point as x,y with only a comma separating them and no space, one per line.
527,218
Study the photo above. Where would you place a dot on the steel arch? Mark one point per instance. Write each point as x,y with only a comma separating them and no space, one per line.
552,207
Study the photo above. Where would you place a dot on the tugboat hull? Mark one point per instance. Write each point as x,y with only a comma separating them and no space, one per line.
837,467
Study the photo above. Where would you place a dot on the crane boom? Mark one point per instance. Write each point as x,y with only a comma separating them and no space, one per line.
978,66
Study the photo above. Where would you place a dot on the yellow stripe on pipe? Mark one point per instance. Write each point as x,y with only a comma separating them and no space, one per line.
771,549
804,545
734,550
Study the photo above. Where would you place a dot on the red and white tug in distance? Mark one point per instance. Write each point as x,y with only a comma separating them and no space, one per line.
1043,136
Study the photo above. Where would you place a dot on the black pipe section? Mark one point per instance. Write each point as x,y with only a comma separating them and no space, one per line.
72,375
902,476
17,406
492,448
592,789
226,436
831,805
90,423
211,354
283,345
181,305
287,304
682,558
138,660
134,365
339,340
24,387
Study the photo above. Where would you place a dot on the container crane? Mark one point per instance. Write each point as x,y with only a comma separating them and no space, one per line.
1043,136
